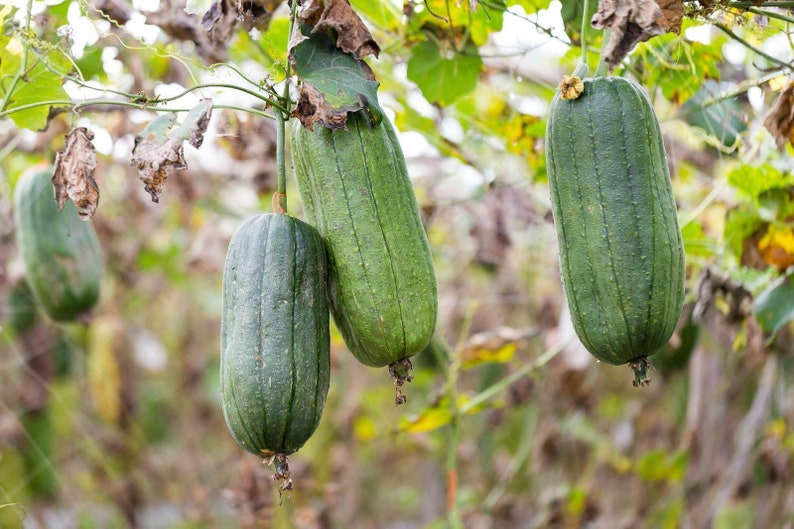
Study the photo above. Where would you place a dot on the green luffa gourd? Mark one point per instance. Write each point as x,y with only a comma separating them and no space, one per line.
621,252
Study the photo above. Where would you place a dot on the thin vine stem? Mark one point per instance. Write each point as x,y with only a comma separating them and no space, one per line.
281,164
123,104
601,69
510,379
771,14
583,32
23,64
282,114
725,29
453,431
745,5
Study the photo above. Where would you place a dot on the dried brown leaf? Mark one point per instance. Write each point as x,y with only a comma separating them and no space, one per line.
159,148
154,160
310,11
73,178
672,15
312,108
352,36
338,20
629,22
780,121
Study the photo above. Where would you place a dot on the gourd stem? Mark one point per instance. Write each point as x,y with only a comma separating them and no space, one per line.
583,32
601,69
280,203
280,199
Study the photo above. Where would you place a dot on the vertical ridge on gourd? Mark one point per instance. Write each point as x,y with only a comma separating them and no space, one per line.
355,189
61,253
275,341
621,252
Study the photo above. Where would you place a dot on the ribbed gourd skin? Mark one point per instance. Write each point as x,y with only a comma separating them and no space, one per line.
275,342
355,189
621,252
61,253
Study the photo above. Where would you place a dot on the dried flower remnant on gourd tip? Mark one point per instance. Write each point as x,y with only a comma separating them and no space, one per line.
570,87
640,367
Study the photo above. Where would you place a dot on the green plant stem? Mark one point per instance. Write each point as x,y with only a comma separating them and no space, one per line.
22,65
583,32
272,102
504,383
746,5
281,164
771,14
123,104
454,520
740,89
722,27
601,69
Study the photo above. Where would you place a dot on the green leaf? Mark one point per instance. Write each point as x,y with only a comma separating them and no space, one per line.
754,180
441,16
679,66
774,307
37,85
339,78
443,79
741,223
722,120
658,465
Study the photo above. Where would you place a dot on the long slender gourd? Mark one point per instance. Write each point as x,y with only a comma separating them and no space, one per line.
621,252
61,253
275,342
355,189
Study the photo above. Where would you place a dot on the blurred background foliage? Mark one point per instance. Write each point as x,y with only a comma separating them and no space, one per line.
509,422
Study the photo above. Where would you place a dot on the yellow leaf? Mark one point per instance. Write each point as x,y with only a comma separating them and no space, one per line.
777,247
430,419
475,356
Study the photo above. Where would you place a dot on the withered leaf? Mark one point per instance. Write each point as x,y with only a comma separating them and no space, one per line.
629,22
780,120
73,178
672,15
159,147
352,36
332,83
338,20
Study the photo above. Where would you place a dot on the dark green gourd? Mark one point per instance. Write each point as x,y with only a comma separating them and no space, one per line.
355,189
621,252
275,340
61,253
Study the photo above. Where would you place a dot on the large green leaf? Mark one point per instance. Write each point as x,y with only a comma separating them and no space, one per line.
38,84
443,79
340,82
